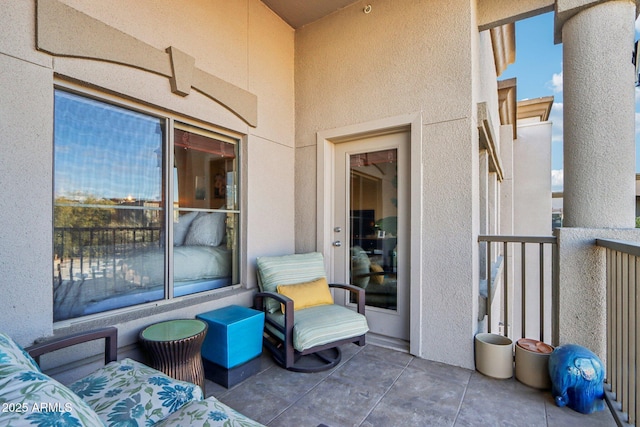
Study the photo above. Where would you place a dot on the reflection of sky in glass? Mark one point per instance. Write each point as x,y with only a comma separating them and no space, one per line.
105,151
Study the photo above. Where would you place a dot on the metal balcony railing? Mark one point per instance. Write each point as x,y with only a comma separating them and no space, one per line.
513,257
82,253
623,331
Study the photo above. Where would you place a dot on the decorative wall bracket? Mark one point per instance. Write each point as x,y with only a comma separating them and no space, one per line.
65,31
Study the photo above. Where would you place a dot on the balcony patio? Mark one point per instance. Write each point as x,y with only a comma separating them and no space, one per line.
376,386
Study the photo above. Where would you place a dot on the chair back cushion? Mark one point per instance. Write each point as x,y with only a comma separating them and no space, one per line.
288,270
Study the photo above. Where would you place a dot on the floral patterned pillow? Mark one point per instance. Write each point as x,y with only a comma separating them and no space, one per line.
130,393
207,413
31,398
13,357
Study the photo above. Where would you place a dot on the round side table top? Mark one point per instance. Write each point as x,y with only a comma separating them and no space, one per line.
173,330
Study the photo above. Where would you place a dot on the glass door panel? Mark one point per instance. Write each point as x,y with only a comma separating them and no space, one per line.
373,208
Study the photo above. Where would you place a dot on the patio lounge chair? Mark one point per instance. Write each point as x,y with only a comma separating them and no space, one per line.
303,326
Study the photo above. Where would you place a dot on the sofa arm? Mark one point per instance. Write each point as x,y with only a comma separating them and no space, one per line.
110,335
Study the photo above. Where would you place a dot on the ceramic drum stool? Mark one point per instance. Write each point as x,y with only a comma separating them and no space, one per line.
174,346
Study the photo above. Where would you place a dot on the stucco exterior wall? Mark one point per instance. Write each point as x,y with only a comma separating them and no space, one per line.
25,206
241,42
353,68
582,279
532,172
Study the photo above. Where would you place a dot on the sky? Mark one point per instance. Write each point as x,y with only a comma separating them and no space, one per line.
538,69
105,151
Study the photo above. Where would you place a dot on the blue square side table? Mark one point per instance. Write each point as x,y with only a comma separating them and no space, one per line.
233,345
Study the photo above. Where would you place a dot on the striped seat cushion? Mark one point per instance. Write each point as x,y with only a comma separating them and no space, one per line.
288,270
323,324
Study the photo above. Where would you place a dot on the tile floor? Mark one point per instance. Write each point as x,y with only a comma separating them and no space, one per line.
376,386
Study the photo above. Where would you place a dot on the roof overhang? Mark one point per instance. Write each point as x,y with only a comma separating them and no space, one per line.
503,40
507,105
535,110
492,13
488,140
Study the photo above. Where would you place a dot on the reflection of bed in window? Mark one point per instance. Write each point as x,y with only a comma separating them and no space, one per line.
201,262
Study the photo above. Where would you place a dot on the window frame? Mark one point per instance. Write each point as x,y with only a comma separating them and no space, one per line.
169,119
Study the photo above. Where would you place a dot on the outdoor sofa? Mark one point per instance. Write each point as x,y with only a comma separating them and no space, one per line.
122,393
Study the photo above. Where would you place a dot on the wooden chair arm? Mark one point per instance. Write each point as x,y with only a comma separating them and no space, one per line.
110,335
258,300
287,328
350,288
359,292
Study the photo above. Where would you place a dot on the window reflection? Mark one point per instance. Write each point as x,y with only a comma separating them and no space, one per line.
373,204
111,183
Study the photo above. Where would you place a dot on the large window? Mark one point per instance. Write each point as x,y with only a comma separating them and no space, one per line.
117,240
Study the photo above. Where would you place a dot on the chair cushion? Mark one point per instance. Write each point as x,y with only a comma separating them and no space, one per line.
309,294
323,324
13,357
130,393
287,270
30,397
207,413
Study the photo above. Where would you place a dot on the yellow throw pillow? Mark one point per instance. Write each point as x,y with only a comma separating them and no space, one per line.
308,294
377,278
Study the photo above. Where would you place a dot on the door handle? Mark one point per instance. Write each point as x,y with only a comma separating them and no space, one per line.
337,243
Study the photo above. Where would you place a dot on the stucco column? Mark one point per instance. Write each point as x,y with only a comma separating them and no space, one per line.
599,106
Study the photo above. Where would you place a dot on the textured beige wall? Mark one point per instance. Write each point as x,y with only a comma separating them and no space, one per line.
583,292
532,173
241,42
25,176
25,206
353,68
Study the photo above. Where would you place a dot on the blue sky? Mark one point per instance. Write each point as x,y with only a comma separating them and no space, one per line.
538,69
102,150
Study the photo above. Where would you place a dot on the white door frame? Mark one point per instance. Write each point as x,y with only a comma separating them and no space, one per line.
326,141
